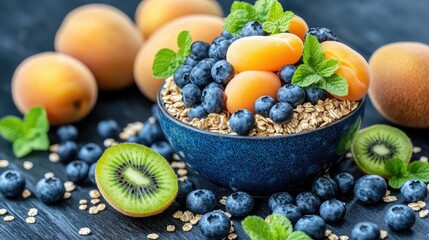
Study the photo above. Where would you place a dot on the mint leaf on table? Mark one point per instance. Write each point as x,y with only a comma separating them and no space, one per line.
280,226
298,235
256,228
278,21
420,170
400,173
395,167
11,128
167,61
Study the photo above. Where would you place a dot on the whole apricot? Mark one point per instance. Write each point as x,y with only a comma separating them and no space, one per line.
201,27
153,14
400,84
62,85
105,40
353,67
298,27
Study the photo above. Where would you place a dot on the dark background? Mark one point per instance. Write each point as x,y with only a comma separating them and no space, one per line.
28,27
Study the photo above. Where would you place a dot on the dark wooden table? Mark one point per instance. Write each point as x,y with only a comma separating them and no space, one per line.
28,27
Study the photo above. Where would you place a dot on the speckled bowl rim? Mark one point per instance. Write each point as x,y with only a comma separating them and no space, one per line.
176,121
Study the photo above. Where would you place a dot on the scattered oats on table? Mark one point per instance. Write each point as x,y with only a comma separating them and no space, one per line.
67,195
383,234
26,193
187,227
349,155
177,214
4,163
186,216
95,201
182,172
232,236
196,219
83,202
54,157
93,210
414,206
171,228
344,237
49,175
9,218
3,211
389,199
417,149
101,207
333,237
153,236
54,147
33,212
424,159
94,194
84,231
30,220
421,204
328,232
423,213
231,228
69,186
222,201
83,207
108,142
27,165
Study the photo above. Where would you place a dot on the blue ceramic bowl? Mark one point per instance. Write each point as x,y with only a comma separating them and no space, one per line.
261,165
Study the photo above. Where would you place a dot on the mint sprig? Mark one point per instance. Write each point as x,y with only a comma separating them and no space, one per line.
399,173
28,134
278,21
316,71
277,228
167,61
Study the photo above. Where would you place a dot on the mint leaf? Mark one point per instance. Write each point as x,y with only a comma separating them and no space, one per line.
241,13
21,147
420,170
276,11
279,25
300,73
39,142
256,228
165,63
328,67
395,167
184,41
36,118
298,235
262,8
11,128
336,85
398,182
313,52
280,226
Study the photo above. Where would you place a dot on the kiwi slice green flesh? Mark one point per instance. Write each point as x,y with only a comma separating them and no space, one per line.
136,180
374,145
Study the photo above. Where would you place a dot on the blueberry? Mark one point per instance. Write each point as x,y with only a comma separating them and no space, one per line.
67,133
155,111
345,182
201,73
414,190
216,85
214,225
322,34
185,187
197,111
77,171
286,73
12,183
191,61
263,105
200,49
280,198
108,128
281,113
242,121
308,203
90,153
314,226
214,100
218,50
181,76
239,204
222,72
400,217
67,151
370,188
50,190
253,28
150,133
365,231
291,94
290,211
332,210
235,38
201,201
314,94
191,95
226,34
218,40
133,139
164,149
91,173
325,188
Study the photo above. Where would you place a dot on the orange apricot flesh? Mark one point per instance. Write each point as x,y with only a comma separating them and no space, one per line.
298,27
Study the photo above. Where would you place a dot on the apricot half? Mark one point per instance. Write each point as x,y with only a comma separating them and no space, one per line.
298,27
59,83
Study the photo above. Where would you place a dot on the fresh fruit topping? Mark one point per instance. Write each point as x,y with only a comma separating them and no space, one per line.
213,100
222,72
135,180
313,95
197,111
281,113
12,183
291,94
191,61
298,27
325,188
201,73
400,217
239,204
181,76
263,105
308,203
253,28
200,50
365,231
214,225
286,73
150,133
374,145
67,133
91,173
242,122
314,226
345,182
290,211
280,198
108,128
370,188
226,34
215,85
185,187
77,171
414,190
90,153
322,34
164,149
219,49
50,190
201,201
332,210
67,151
191,95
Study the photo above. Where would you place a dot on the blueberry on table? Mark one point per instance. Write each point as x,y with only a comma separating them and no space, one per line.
155,111
77,171
191,61
50,190
400,217
286,73
133,139
325,188
91,173
263,105
290,211
90,153
242,122
108,128
222,72
314,94
332,210
213,100
67,151
197,111
201,73
281,113
191,95
291,94
150,133
218,50
200,49
239,204
314,226
201,201
322,34
12,183
414,190
365,231
308,203
185,187
280,198
253,28
345,182
67,133
214,225
370,188
164,149
181,76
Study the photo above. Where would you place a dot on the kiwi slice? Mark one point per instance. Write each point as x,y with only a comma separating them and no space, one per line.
135,180
374,145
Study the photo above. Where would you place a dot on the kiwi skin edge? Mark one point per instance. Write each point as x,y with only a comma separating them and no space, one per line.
131,214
